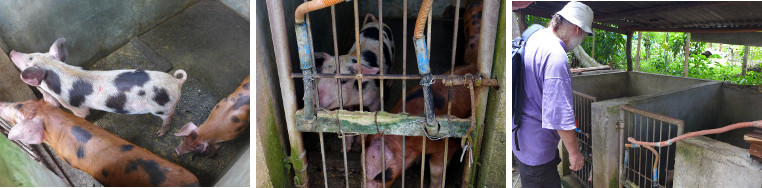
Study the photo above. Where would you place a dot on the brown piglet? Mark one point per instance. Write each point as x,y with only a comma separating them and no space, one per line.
110,159
461,108
228,118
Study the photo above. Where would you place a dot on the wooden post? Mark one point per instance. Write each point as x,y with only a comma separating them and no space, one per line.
592,55
687,48
637,54
522,22
745,59
629,51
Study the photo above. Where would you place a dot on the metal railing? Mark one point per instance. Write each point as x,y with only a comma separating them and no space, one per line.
583,115
638,163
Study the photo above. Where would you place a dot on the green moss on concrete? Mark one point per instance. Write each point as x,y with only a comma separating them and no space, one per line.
274,151
18,169
613,182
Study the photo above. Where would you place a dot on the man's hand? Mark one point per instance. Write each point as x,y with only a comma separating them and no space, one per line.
576,160
570,142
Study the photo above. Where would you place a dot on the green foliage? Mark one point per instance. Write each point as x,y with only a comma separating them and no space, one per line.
536,20
609,47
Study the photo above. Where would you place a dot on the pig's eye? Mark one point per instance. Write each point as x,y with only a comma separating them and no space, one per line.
30,58
344,81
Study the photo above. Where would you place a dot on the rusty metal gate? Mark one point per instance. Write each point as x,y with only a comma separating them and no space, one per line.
346,123
640,167
582,114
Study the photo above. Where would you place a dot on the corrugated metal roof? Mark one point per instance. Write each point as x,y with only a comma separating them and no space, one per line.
696,17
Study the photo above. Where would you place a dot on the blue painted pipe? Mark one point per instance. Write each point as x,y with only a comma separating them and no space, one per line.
426,81
305,62
422,56
305,53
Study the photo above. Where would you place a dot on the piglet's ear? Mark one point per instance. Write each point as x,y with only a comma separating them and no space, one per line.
187,129
33,75
58,50
29,131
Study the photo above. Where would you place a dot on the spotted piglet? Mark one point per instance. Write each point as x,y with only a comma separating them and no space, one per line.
228,118
370,58
108,158
117,91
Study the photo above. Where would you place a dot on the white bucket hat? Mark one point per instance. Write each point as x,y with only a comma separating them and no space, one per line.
579,14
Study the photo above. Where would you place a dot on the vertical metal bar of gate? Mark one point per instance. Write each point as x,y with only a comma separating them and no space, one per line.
644,125
404,72
582,108
381,81
359,92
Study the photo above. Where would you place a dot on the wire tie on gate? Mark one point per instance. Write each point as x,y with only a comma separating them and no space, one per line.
467,147
426,132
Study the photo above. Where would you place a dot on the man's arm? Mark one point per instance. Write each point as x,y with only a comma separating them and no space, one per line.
570,142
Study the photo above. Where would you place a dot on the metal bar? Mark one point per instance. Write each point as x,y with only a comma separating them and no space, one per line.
363,162
322,155
403,160
444,163
282,57
586,96
381,81
344,151
381,51
359,89
653,115
423,158
404,73
669,150
448,80
393,124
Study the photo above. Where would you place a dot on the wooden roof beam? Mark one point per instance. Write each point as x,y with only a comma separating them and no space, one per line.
657,9
695,30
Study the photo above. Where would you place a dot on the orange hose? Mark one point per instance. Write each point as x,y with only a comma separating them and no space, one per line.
656,154
698,133
420,23
310,6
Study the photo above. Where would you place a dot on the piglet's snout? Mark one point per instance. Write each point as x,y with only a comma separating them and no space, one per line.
15,56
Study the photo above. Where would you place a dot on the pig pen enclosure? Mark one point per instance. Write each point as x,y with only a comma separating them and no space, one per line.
313,148
208,39
653,108
616,105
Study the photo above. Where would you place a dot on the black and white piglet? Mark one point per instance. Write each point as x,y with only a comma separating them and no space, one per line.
118,91
370,60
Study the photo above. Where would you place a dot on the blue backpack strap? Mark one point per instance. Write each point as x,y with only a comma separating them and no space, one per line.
518,77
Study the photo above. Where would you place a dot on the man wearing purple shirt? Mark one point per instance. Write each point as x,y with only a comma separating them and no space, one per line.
547,114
